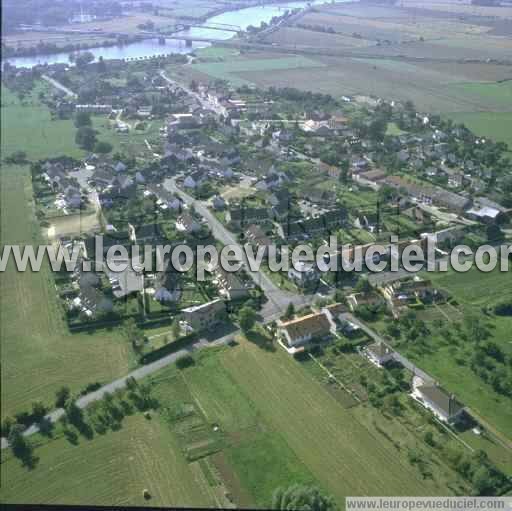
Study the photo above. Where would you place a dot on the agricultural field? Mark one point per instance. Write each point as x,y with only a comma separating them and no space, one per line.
233,69
110,469
38,353
495,125
447,359
32,130
432,89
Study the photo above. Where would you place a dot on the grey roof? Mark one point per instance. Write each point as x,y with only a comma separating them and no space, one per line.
447,403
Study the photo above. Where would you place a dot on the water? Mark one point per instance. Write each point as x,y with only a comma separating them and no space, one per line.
150,47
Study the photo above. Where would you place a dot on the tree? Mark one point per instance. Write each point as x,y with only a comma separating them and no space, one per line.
290,311
16,158
86,138
176,329
302,497
102,147
74,413
246,319
18,443
102,67
134,334
82,119
38,411
82,59
7,424
61,396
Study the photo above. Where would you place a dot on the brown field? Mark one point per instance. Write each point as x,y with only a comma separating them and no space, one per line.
122,24
300,38
430,87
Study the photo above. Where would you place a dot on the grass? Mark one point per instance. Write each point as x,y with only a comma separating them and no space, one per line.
28,127
38,353
112,469
228,70
338,451
394,130
473,290
495,125
498,92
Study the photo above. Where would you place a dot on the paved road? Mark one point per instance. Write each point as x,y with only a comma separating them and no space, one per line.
207,105
59,86
399,358
278,299
138,374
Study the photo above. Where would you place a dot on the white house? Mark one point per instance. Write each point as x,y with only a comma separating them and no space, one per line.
442,404
379,353
300,331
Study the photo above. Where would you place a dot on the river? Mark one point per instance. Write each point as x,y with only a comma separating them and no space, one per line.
151,47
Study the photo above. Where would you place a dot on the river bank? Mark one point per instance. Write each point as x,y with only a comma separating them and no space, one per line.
241,17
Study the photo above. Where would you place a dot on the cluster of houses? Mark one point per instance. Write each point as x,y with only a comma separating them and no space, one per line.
296,334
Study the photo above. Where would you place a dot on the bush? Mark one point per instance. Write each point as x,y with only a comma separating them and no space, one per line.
503,309
185,361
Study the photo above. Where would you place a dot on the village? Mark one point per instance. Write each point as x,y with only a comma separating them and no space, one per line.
268,168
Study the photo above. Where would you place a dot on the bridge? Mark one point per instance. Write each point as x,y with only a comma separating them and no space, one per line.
224,27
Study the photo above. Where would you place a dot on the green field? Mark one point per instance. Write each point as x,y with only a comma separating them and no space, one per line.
495,125
229,70
38,353
276,425
111,469
28,127
473,290
339,452
500,93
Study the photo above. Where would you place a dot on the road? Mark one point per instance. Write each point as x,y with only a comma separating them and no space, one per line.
59,86
396,356
207,105
278,299
138,374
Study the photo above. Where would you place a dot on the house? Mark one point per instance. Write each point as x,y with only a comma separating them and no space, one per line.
218,203
485,214
379,353
442,404
186,223
356,300
167,287
230,286
94,109
256,238
407,290
299,331
204,316
149,234
335,311
129,281
303,274
166,199
240,216
91,300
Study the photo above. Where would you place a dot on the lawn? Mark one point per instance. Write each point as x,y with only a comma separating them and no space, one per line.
111,469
